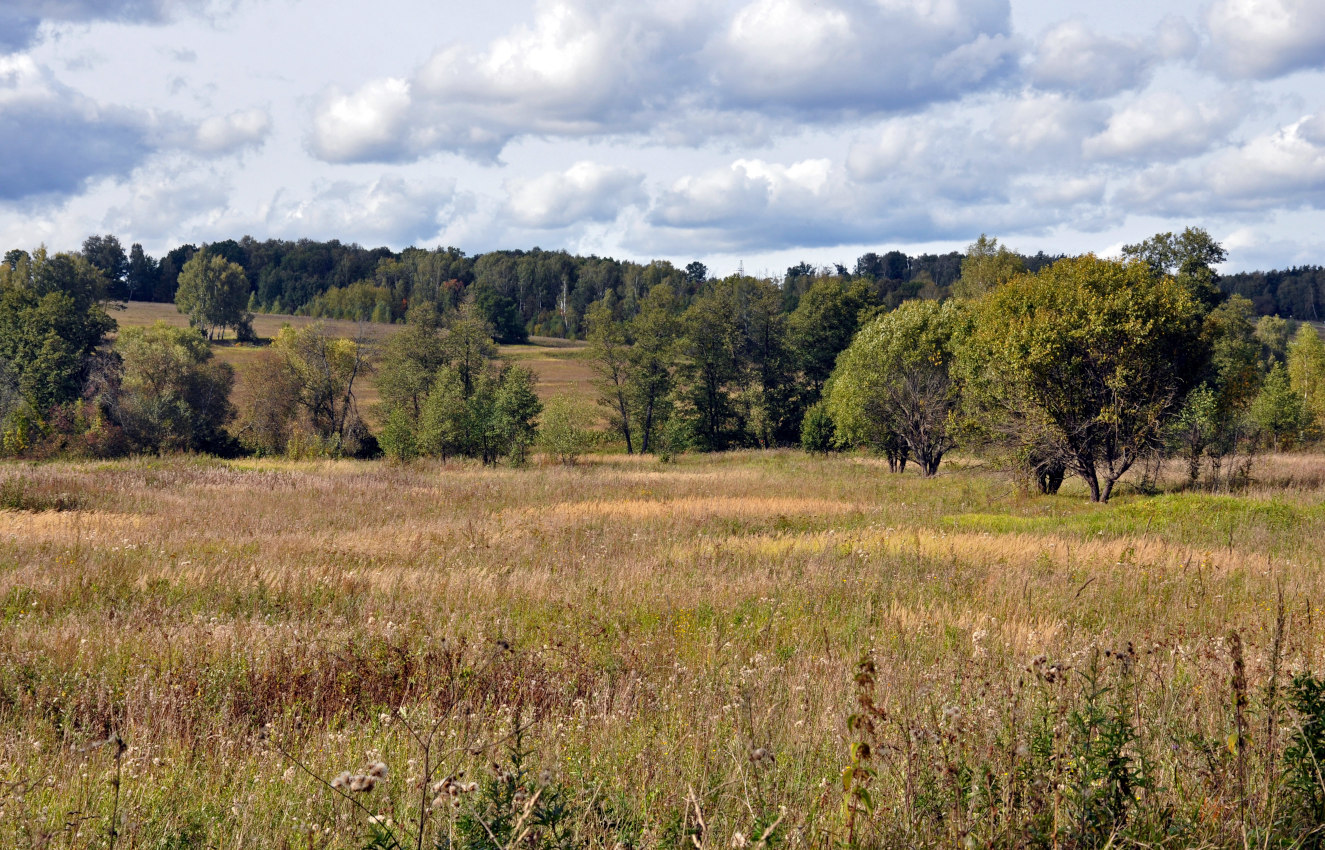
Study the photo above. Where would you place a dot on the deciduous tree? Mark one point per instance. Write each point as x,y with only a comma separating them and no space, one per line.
213,293
1092,357
895,383
173,395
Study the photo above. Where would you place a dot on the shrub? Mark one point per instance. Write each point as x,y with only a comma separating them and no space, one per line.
565,429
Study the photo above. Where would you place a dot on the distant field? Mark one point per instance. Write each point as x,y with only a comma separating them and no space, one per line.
559,363
683,638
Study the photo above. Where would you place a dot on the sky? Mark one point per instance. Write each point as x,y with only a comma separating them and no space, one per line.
751,134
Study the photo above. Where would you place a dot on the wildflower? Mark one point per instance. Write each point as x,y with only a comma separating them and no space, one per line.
342,779
363,784
378,770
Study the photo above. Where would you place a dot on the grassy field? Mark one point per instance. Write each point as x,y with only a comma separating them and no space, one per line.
560,364
681,641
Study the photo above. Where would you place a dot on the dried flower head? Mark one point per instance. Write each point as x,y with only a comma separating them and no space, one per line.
342,780
378,770
363,784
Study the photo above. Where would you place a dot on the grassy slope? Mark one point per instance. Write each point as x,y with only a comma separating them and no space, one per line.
559,364
664,620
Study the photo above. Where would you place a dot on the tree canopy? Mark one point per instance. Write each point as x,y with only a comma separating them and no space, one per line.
1089,356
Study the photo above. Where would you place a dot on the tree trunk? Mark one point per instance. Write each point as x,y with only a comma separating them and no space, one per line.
1093,482
1050,478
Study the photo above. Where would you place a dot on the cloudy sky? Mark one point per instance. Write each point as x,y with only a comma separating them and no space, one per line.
755,132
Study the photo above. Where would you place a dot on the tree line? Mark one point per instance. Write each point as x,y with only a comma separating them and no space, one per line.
544,293
548,293
1052,366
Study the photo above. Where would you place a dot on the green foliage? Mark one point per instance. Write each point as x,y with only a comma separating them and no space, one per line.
1190,255
496,419
51,321
513,425
1304,758
817,433
1277,408
398,440
213,292
361,301
322,371
502,314
565,430
446,422
986,265
893,387
1214,422
610,357
655,330
1274,334
1086,361
737,372
1103,777
1306,371
410,360
822,326
516,807
172,395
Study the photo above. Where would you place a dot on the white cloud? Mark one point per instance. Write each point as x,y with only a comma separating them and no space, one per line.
389,210
1260,39
850,57
220,135
585,192
1166,125
166,202
1284,169
1071,57
592,68
366,126
747,188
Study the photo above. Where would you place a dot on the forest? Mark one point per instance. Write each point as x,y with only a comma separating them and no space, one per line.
548,293
1054,367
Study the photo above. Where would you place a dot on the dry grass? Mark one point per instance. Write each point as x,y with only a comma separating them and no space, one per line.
663,621
559,364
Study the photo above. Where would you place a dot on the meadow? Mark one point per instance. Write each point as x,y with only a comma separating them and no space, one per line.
752,649
559,364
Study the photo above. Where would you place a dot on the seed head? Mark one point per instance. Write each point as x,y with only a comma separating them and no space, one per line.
342,779
363,784
378,770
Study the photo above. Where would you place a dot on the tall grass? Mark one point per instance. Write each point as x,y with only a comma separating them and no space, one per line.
684,643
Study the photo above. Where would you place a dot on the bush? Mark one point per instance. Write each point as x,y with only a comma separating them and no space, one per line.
398,440
817,432
564,429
